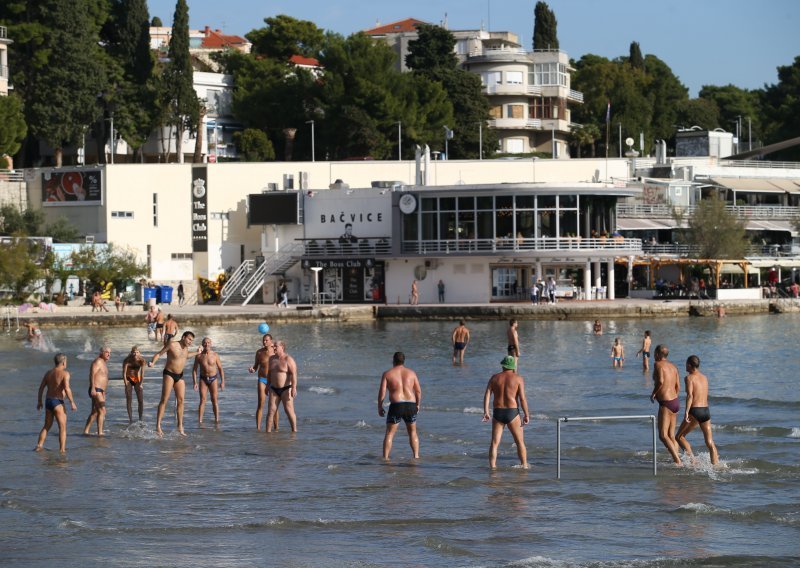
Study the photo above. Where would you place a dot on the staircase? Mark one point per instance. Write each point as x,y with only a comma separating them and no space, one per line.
248,279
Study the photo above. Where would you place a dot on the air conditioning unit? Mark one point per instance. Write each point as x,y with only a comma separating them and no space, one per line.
272,186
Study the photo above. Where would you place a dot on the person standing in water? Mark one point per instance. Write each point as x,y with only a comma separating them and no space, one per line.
98,384
261,366
133,374
645,351
666,386
697,412
177,355
56,380
405,397
508,389
208,368
617,353
460,340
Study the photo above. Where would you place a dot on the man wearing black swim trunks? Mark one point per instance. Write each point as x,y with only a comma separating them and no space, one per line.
57,382
697,412
177,355
666,386
508,389
208,366
98,384
405,397
282,379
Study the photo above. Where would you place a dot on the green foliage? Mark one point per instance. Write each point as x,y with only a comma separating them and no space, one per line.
781,104
156,22
665,94
635,58
253,145
103,264
62,231
19,267
24,223
699,112
434,48
12,124
585,135
545,33
733,102
285,36
717,233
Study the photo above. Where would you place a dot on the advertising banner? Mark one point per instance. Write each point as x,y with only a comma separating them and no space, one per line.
82,187
199,210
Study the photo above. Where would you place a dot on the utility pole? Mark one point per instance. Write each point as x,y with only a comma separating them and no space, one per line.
399,140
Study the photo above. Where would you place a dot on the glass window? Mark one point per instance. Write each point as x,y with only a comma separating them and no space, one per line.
525,202
514,77
546,201
410,227
447,225
486,202
515,145
568,223
496,111
466,225
568,201
526,224
428,204
447,204
504,202
515,111
493,78
486,225
466,203
429,227
547,223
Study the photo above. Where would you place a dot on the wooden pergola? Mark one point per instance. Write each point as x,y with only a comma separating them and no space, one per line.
714,263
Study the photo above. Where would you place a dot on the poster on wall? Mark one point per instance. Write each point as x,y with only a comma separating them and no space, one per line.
82,187
199,210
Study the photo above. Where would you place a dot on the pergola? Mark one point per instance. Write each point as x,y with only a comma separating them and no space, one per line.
655,263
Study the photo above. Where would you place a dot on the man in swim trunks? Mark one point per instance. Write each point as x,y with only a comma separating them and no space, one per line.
645,351
57,382
513,340
666,385
151,318
261,366
405,397
696,409
170,329
133,374
460,340
617,353
508,389
159,325
177,355
282,379
98,384
209,367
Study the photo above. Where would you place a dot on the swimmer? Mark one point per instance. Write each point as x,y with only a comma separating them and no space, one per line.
617,353
460,340
645,351
170,329
261,366
697,412
666,386
405,397
98,384
597,328
133,374
508,389
57,382
34,333
209,367
159,325
282,379
513,340
177,355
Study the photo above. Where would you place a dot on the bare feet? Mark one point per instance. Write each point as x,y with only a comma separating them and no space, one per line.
38,449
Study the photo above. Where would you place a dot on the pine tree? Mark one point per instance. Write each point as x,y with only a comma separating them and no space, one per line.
635,58
545,33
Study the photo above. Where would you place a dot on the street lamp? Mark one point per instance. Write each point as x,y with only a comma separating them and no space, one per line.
316,270
399,140
480,140
313,157
448,135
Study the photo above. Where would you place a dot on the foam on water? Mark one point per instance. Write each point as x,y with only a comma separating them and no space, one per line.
322,390
473,410
795,433
362,424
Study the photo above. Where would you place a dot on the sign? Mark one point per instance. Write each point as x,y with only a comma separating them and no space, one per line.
347,217
199,210
408,203
82,187
339,263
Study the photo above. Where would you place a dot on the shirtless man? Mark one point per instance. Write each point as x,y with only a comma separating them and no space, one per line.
414,293
282,379
617,353
170,329
210,369
57,382
460,340
98,383
666,385
405,397
261,366
513,340
133,374
159,325
645,351
177,355
151,318
696,409
508,389
597,327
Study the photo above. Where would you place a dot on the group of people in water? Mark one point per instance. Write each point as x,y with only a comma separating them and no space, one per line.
277,381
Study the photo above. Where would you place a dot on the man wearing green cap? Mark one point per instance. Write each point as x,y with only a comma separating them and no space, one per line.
508,389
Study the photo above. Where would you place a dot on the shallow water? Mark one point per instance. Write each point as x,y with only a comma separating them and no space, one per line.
237,497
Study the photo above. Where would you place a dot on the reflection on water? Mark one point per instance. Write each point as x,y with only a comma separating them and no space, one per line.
326,494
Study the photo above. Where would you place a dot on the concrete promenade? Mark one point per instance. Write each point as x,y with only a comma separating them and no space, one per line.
563,310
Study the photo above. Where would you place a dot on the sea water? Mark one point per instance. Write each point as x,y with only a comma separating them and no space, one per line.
233,496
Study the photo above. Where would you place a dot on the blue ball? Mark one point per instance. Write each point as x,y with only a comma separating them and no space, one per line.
263,328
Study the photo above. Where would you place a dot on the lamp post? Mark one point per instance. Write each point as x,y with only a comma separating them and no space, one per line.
480,140
448,135
313,156
399,140
316,270
111,118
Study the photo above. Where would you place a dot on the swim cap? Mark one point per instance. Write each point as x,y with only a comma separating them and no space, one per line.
508,363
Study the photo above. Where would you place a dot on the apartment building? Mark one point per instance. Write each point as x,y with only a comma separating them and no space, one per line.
4,72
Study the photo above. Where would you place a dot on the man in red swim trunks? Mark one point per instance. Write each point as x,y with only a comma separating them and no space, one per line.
666,386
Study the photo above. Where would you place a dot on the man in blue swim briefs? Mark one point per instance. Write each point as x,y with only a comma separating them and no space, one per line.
177,355
57,382
98,384
208,366
261,366
645,351
666,386
405,397
697,412
460,340
508,389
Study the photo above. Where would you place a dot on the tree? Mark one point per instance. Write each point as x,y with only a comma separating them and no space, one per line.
434,48
699,112
285,36
18,266
21,223
635,58
156,23
732,103
253,145
585,135
12,125
666,94
545,35
781,104
98,265
62,231
716,232
178,95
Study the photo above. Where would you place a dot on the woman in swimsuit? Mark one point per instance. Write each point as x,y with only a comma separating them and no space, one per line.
133,375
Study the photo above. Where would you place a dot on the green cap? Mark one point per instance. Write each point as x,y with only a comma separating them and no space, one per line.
508,362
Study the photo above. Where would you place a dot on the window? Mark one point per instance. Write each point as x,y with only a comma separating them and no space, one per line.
546,107
514,77
122,214
552,74
515,145
181,256
492,78
155,210
515,111
496,111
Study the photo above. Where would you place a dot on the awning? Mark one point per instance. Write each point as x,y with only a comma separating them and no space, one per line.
625,224
783,226
788,185
757,185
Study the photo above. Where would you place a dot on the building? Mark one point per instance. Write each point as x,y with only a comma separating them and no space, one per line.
5,75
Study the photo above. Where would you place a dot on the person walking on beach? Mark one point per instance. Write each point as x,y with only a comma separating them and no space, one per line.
159,325
513,340
508,389
697,412
645,351
210,369
57,382
666,386
261,366
98,383
282,380
405,397
181,294
414,294
133,374
177,355
170,329
617,353
283,292
460,340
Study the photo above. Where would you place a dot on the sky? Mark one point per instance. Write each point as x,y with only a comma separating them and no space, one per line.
705,42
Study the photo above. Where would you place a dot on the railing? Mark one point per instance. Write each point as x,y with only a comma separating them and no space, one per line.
339,248
512,89
575,96
13,176
3,32
498,52
4,71
237,278
516,123
759,164
9,313
274,263
504,246
565,419
664,211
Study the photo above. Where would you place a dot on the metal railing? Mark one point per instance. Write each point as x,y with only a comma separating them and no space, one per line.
601,418
507,245
3,32
237,278
575,96
336,248
760,164
10,312
665,211
12,176
277,262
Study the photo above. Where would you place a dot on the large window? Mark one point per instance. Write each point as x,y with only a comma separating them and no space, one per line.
550,74
546,108
515,111
514,77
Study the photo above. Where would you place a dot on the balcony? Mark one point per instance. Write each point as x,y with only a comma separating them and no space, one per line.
500,54
512,89
3,32
519,245
516,123
576,96
745,212
341,248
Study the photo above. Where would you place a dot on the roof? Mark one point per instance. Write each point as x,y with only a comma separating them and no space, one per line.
215,39
759,185
408,25
302,60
